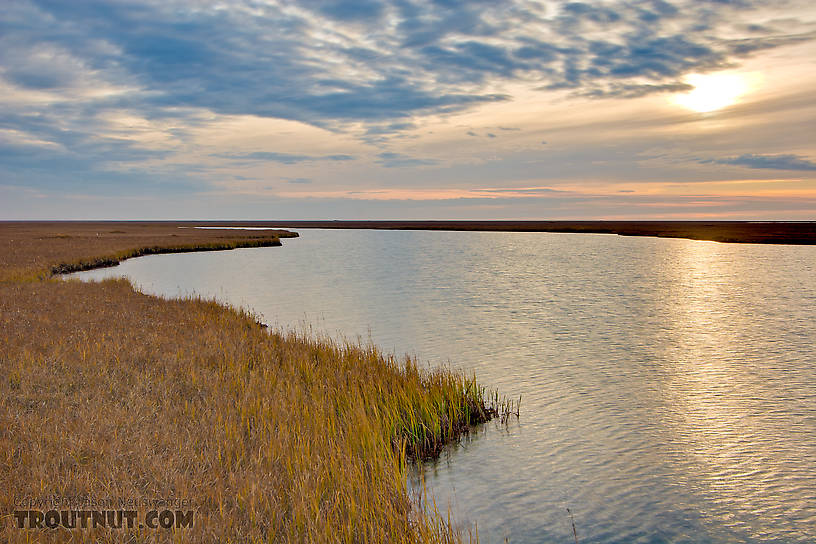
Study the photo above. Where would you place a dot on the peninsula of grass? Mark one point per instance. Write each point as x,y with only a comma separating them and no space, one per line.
110,394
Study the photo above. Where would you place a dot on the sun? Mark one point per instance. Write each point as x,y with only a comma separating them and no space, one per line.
712,91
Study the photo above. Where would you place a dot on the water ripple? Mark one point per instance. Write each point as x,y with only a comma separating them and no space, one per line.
667,384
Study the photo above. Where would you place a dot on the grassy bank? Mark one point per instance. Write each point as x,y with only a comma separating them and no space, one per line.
36,251
109,393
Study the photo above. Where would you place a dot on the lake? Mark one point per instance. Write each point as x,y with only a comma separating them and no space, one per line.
668,386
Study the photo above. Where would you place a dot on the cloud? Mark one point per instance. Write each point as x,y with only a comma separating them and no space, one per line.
332,62
398,160
283,158
523,191
297,180
634,90
769,162
381,133
16,204
390,128
746,46
375,69
358,10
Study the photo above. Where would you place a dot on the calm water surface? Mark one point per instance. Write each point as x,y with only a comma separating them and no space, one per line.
669,386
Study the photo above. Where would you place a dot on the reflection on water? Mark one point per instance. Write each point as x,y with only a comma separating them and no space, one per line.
667,384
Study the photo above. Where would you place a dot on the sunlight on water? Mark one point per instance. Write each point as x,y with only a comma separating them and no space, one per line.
667,384
736,406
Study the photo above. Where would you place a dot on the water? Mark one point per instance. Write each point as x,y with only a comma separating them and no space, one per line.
668,385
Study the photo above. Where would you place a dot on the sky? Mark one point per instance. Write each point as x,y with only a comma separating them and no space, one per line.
407,109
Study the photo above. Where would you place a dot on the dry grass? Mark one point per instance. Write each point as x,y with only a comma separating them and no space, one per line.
31,251
106,392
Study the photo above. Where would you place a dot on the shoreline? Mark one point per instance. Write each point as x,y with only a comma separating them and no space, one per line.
274,436
107,262
750,232
747,232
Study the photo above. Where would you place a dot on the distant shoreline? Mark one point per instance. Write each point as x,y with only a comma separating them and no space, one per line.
752,232
799,233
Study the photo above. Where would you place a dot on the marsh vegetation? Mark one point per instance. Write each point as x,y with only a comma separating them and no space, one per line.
274,437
